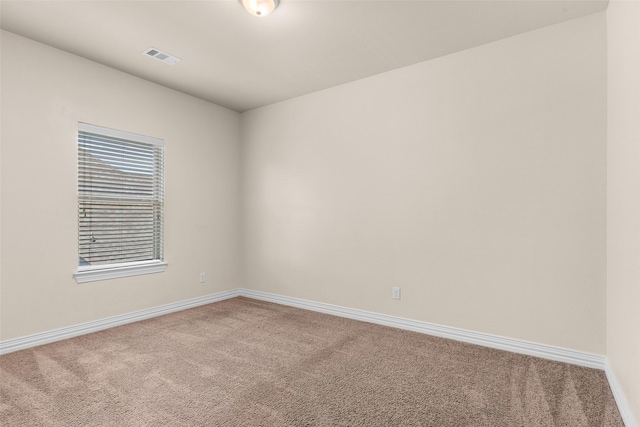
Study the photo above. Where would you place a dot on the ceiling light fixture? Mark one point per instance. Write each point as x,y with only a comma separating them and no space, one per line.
260,7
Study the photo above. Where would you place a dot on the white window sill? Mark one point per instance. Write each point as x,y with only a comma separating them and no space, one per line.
105,272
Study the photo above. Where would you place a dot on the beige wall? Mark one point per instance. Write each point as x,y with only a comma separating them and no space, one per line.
623,203
476,182
45,92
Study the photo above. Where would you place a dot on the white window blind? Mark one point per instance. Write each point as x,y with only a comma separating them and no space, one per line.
120,198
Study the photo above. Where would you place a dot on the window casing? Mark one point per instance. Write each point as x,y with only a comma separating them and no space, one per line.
120,203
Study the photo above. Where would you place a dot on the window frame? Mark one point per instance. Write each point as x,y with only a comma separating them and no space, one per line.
90,273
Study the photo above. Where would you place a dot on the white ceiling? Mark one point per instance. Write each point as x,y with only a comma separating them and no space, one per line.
240,61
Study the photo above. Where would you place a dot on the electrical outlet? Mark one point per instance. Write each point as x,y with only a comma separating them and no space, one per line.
395,292
203,278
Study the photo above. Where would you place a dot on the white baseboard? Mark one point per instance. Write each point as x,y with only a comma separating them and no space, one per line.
487,340
8,346
621,400
509,344
502,343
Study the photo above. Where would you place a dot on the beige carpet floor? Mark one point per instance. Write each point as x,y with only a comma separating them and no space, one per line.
242,362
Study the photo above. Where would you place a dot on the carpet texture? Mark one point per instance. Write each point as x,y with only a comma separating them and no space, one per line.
242,362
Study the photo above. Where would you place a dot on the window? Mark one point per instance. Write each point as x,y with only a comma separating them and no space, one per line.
120,203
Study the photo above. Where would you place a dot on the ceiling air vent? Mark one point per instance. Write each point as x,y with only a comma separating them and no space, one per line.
161,56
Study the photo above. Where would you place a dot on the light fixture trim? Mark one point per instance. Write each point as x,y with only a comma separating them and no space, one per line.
260,8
